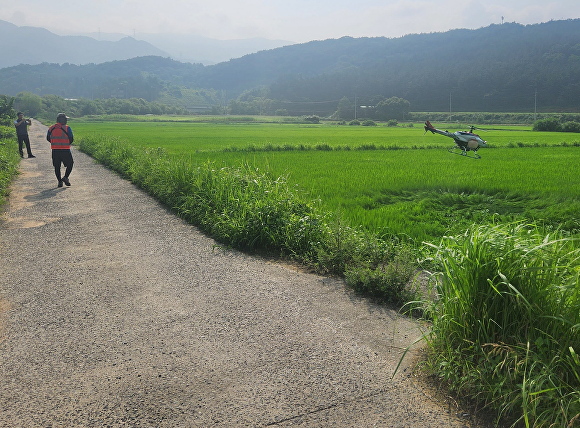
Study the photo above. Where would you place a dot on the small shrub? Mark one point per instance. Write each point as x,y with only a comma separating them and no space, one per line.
367,147
392,123
387,282
571,126
369,123
7,132
354,122
312,119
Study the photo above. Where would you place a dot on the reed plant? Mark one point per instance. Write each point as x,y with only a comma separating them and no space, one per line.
506,322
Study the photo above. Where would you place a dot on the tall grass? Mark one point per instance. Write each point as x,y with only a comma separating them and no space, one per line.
8,160
506,322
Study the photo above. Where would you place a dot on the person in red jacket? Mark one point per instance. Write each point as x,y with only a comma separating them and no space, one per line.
60,136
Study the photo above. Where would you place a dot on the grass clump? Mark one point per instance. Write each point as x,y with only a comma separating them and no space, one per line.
506,322
249,210
388,281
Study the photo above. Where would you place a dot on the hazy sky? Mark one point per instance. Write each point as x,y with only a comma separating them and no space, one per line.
291,20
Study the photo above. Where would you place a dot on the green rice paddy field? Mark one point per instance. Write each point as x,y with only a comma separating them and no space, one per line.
390,180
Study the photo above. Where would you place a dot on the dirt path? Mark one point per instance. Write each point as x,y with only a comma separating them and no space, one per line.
116,313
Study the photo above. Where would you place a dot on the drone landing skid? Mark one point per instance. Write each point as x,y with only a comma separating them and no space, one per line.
456,150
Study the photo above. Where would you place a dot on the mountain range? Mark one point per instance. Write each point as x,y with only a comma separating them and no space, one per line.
33,45
507,67
198,49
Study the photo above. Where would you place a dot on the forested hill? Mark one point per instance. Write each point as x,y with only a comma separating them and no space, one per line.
499,67
508,67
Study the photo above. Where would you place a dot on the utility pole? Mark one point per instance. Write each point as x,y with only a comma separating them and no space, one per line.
535,104
449,101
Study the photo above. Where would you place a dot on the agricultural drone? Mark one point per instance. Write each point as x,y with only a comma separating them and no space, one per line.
465,141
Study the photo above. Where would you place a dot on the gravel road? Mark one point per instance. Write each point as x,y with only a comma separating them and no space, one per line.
115,313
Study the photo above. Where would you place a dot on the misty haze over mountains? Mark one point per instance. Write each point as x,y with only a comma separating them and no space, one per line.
198,49
34,45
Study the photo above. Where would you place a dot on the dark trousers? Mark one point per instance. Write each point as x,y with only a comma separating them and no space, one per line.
24,140
62,157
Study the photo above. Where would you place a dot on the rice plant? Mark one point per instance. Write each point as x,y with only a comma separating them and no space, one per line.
421,194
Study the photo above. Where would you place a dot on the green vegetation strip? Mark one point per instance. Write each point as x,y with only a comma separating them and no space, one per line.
8,159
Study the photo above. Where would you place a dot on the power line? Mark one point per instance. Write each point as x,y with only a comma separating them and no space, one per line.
308,102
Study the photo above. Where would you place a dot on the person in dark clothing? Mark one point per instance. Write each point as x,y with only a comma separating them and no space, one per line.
60,136
22,125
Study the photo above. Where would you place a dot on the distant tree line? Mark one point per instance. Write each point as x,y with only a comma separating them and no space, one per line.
553,124
48,106
259,102
390,110
381,109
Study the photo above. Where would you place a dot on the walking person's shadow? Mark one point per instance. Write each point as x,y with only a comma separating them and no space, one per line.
44,194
